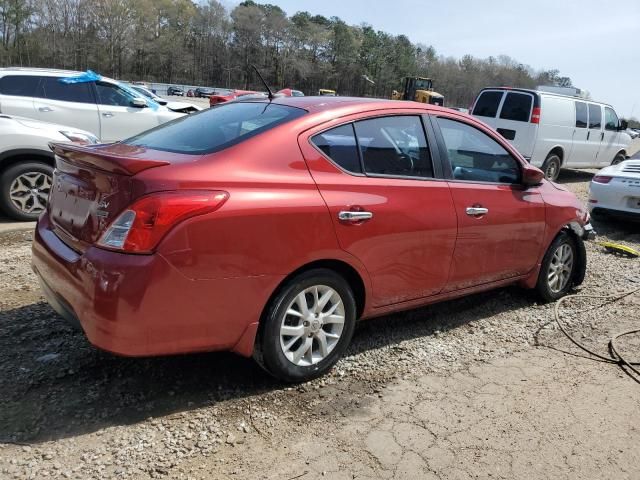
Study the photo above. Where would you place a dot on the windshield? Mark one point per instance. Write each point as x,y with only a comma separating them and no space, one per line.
216,128
423,84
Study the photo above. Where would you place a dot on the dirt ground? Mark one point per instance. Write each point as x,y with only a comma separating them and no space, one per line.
482,387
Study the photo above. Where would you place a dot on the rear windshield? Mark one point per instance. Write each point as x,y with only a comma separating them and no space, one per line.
487,104
216,128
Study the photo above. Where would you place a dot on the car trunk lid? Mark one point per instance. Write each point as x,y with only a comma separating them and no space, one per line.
91,185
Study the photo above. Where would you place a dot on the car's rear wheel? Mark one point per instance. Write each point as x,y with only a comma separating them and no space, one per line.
558,269
24,190
618,158
307,326
551,167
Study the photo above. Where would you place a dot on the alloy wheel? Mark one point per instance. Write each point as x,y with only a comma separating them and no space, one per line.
560,268
29,192
312,325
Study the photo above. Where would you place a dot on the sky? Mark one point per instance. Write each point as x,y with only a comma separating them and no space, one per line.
595,43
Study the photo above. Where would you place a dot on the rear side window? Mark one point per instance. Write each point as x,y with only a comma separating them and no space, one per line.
339,144
517,106
394,146
581,115
475,156
595,116
487,104
216,128
610,119
19,85
53,89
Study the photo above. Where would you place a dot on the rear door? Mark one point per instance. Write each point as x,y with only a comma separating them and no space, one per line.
500,222
16,95
69,104
487,105
388,209
514,121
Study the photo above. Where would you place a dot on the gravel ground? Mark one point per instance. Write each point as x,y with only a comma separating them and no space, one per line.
472,388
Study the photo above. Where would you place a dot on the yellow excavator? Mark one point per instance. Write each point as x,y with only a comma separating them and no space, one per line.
418,89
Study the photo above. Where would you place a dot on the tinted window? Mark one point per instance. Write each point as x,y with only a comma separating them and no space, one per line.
595,116
339,144
517,106
19,85
581,115
394,146
53,89
216,128
109,94
610,119
487,104
474,156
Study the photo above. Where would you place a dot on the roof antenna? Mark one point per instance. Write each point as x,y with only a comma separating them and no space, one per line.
265,83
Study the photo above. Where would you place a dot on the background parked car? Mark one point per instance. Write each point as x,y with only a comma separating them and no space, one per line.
554,131
203,92
177,91
322,211
615,190
227,96
85,100
26,163
180,107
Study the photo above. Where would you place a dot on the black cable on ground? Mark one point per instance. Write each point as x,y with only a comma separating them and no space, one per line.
616,357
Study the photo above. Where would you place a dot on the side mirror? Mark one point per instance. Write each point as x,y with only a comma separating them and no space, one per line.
623,125
532,176
139,103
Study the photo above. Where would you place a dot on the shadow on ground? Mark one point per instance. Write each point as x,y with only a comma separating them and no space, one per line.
53,384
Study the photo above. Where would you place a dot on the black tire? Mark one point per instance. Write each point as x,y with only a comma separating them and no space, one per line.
10,175
618,158
268,350
551,167
544,288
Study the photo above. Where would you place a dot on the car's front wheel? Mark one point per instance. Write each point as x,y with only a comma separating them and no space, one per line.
559,267
307,326
24,190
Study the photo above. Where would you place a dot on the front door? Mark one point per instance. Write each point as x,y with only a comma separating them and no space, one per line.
500,222
388,209
596,135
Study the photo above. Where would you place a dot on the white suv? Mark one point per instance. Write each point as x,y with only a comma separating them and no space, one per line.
26,163
104,107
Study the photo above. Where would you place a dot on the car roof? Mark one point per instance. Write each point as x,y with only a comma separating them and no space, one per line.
348,105
542,92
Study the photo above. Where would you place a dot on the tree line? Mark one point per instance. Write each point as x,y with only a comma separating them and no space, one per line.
203,43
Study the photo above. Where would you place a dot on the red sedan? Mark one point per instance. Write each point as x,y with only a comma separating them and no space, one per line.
270,228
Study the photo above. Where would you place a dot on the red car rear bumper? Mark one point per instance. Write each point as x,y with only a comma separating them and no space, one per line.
140,305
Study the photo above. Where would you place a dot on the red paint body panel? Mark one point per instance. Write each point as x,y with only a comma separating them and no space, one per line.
207,283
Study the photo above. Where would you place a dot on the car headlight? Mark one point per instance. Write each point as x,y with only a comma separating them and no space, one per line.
79,137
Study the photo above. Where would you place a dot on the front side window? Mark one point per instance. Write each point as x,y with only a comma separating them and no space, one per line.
476,157
339,144
610,119
582,119
595,116
517,106
109,94
19,85
394,146
53,89
487,104
216,128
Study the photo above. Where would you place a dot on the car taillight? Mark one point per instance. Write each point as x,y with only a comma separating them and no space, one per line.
602,179
140,227
535,115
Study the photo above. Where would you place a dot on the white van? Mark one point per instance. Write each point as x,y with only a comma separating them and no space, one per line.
554,131
106,108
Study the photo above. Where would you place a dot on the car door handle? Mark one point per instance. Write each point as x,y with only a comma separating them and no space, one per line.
45,109
354,216
107,114
475,211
